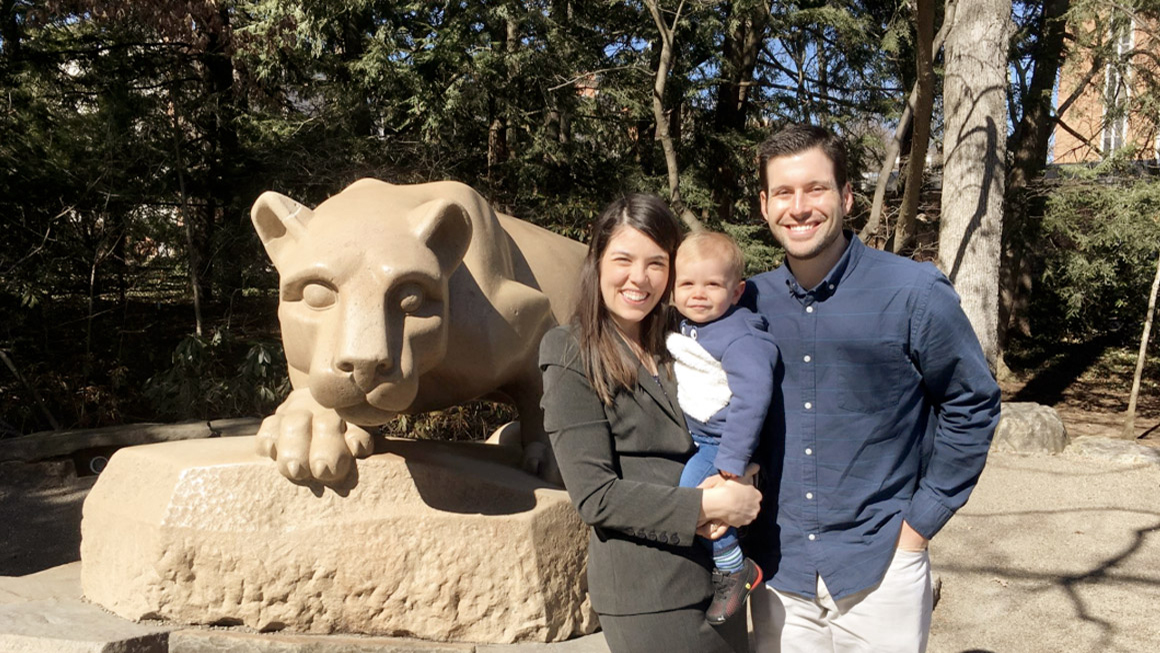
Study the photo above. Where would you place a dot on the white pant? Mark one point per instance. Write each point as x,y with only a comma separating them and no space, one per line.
891,617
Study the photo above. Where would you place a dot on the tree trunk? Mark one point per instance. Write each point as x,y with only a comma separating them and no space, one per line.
10,38
895,145
1028,147
663,119
224,212
1129,431
193,259
31,390
498,145
744,35
975,105
923,106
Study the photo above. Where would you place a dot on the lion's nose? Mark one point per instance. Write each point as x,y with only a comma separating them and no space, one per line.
367,374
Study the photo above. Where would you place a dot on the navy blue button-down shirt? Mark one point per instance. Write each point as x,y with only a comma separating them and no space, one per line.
889,412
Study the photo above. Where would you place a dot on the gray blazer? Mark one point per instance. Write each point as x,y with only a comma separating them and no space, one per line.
621,464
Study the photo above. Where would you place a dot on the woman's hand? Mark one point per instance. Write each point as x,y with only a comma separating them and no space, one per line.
713,530
729,502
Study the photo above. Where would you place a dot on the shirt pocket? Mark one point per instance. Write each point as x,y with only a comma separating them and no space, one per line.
870,375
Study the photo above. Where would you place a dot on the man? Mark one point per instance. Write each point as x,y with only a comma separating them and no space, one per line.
889,412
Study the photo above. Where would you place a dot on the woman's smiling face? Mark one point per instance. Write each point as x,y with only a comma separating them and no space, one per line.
634,273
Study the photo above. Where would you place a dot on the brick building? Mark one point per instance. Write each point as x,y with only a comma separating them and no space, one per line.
1107,114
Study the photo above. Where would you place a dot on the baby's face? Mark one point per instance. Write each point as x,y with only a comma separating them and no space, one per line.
705,287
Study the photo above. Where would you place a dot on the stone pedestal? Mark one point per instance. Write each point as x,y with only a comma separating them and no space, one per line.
427,540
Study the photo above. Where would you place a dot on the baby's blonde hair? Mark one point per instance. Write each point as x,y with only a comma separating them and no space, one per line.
706,244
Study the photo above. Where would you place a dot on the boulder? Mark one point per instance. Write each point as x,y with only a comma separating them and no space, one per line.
426,540
1114,449
1029,428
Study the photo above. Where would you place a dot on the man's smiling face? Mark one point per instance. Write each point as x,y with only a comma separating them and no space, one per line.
804,206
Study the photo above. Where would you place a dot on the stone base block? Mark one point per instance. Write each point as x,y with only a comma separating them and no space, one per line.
427,540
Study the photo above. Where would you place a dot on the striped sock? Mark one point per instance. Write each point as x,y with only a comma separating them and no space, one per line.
730,560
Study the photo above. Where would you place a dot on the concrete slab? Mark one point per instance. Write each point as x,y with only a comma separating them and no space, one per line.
63,582
201,640
588,644
229,641
44,613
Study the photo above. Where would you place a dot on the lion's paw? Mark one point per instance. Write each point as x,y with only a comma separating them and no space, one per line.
310,442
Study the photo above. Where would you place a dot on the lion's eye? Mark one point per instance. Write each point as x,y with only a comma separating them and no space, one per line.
410,298
317,295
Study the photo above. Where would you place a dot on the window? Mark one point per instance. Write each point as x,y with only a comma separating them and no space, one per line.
1116,89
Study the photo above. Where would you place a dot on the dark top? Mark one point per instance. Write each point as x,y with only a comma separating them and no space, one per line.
740,341
889,412
621,464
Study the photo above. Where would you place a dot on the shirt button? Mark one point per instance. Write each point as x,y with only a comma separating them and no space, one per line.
809,452
831,286
813,537
809,495
809,405
809,309
806,358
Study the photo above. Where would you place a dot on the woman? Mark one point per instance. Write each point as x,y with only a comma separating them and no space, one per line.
610,407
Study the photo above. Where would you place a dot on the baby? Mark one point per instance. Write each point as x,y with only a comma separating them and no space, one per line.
725,360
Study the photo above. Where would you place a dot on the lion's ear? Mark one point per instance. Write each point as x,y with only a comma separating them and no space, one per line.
279,221
445,228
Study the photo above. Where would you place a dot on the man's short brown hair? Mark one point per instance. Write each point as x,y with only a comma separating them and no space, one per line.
796,139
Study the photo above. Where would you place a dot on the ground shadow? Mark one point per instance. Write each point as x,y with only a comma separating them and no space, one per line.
1112,569
40,508
1049,384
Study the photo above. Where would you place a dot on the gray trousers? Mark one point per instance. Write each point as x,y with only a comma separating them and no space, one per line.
675,631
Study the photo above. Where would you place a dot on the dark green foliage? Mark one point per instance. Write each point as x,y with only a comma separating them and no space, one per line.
1101,237
220,375
135,135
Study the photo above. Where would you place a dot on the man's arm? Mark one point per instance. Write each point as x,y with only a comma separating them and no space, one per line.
966,401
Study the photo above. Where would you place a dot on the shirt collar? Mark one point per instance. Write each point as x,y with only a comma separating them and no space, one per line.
837,274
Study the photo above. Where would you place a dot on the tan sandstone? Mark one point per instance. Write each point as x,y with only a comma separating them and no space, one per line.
425,540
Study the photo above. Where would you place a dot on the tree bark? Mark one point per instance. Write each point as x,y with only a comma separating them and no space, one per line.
895,144
1028,147
10,32
498,150
663,119
744,34
193,257
52,421
1129,432
225,167
975,105
923,106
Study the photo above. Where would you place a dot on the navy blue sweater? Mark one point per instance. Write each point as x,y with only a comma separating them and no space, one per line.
741,342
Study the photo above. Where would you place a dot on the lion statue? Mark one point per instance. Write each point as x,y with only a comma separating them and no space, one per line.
401,299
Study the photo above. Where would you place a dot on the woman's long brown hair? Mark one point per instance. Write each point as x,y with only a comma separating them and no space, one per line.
607,364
